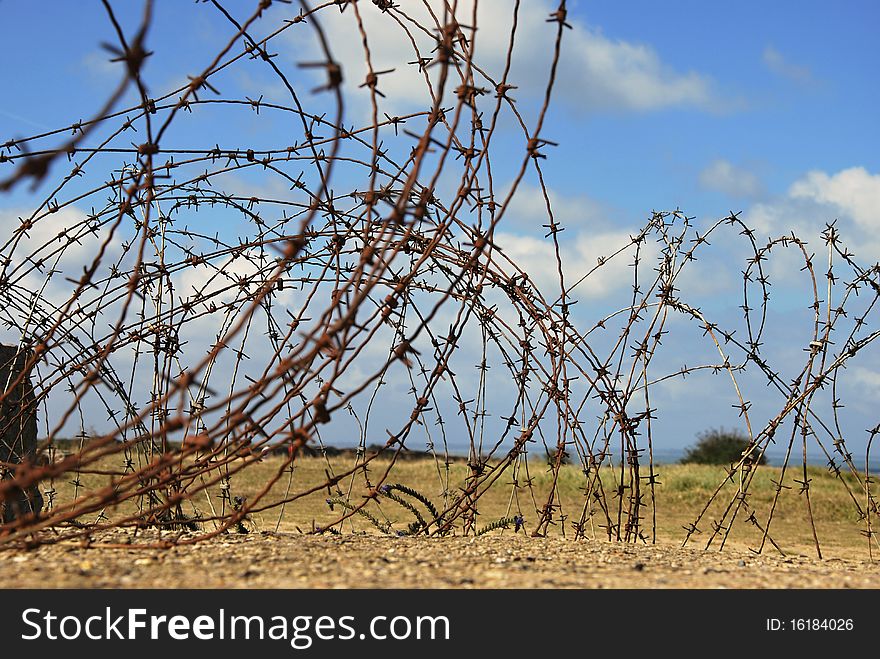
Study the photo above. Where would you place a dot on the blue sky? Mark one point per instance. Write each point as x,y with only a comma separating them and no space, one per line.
789,88
765,108
797,77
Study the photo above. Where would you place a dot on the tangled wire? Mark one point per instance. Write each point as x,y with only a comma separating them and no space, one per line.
258,292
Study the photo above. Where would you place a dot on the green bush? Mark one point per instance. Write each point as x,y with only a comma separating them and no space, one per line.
719,447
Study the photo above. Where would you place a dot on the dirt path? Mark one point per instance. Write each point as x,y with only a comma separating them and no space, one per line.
296,561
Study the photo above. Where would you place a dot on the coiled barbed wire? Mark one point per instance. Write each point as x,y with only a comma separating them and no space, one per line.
223,300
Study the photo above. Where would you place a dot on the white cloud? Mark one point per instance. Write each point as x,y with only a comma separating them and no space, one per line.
580,254
860,384
528,210
99,68
229,278
778,64
771,217
868,379
733,181
46,263
852,192
588,235
607,74
64,228
61,244
596,72
850,196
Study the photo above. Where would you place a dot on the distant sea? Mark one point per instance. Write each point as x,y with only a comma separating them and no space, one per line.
776,458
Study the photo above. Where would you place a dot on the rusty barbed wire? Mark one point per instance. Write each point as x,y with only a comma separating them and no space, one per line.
232,303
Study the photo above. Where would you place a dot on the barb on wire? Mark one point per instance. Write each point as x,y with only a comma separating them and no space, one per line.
212,284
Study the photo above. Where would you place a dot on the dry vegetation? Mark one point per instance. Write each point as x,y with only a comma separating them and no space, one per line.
680,494
362,556
376,297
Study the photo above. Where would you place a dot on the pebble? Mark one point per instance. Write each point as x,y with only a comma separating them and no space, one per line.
369,561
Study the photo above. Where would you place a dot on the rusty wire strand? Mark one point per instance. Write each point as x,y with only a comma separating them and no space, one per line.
352,263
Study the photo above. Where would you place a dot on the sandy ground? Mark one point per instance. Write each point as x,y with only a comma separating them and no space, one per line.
264,560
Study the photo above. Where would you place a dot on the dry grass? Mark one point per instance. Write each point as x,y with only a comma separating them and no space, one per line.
680,495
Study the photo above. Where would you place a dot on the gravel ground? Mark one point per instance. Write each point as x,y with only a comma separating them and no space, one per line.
267,560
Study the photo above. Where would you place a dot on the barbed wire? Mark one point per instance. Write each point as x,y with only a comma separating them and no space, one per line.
231,302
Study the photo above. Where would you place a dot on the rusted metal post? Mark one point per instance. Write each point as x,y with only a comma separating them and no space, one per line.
18,433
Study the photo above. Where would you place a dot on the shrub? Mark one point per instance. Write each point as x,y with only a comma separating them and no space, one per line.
720,446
